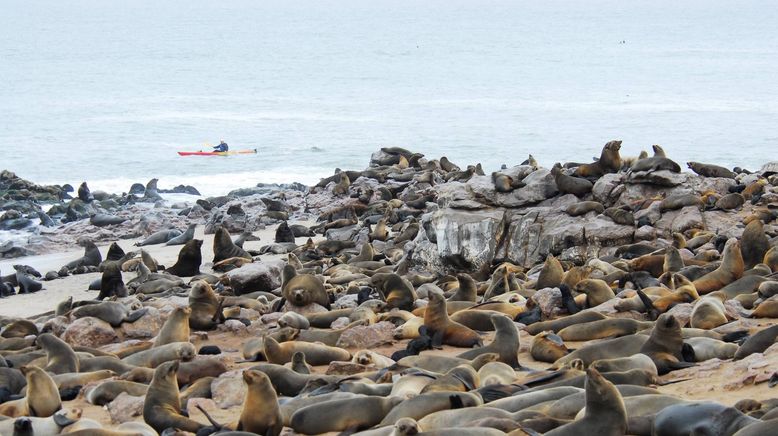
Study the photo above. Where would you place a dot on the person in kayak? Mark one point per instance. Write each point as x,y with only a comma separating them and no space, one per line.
222,146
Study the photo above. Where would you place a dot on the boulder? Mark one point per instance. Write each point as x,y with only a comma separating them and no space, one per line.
125,408
228,389
146,327
89,332
258,276
371,336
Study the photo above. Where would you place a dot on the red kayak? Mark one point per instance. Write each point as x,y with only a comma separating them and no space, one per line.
216,153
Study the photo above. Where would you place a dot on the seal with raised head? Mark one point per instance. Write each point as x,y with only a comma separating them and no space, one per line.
605,412
261,414
609,162
111,283
665,345
42,398
505,343
445,331
189,260
224,248
205,305
183,238
162,406
303,289
569,184
60,356
731,269
754,244
176,327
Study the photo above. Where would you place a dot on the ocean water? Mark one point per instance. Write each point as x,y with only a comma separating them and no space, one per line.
108,90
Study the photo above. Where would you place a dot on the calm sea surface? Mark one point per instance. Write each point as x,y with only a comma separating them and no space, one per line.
107,91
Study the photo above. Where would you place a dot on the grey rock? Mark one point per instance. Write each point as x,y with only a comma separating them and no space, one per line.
361,337
258,276
125,408
228,389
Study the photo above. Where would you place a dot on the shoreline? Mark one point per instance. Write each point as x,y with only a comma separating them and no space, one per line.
500,248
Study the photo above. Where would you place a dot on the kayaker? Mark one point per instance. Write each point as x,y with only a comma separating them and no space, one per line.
222,146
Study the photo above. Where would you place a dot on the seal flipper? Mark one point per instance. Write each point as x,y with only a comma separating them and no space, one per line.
437,340
651,310
687,352
567,300
738,337
456,402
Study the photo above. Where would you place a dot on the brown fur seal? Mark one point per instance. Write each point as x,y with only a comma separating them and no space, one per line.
708,313
609,162
665,345
731,269
154,357
205,306
61,357
398,293
569,184
551,274
584,207
444,330
176,327
605,411
771,259
700,418
505,343
710,170
624,346
340,415
558,324
623,364
224,248
758,342
41,426
754,244
341,188
189,260
601,329
111,283
597,291
547,347
162,407
260,413
422,405
315,354
42,398
461,378
467,290
730,201
303,289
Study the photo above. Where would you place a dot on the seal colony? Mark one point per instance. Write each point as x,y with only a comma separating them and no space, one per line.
620,296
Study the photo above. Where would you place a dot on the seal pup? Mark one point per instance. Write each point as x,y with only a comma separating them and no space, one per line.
224,248
162,406
284,233
189,260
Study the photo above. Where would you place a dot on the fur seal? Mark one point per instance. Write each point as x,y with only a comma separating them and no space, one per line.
284,233
42,398
754,244
162,407
154,357
108,390
605,411
551,274
224,248
111,283
26,283
466,291
189,260
61,357
424,404
604,328
731,269
584,207
703,417
606,349
708,313
261,413
444,330
505,343
623,364
52,425
315,354
183,238
758,342
205,305
558,324
159,237
303,289
665,345
398,293
341,415
176,327
569,184
547,347
609,162
710,170
597,291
